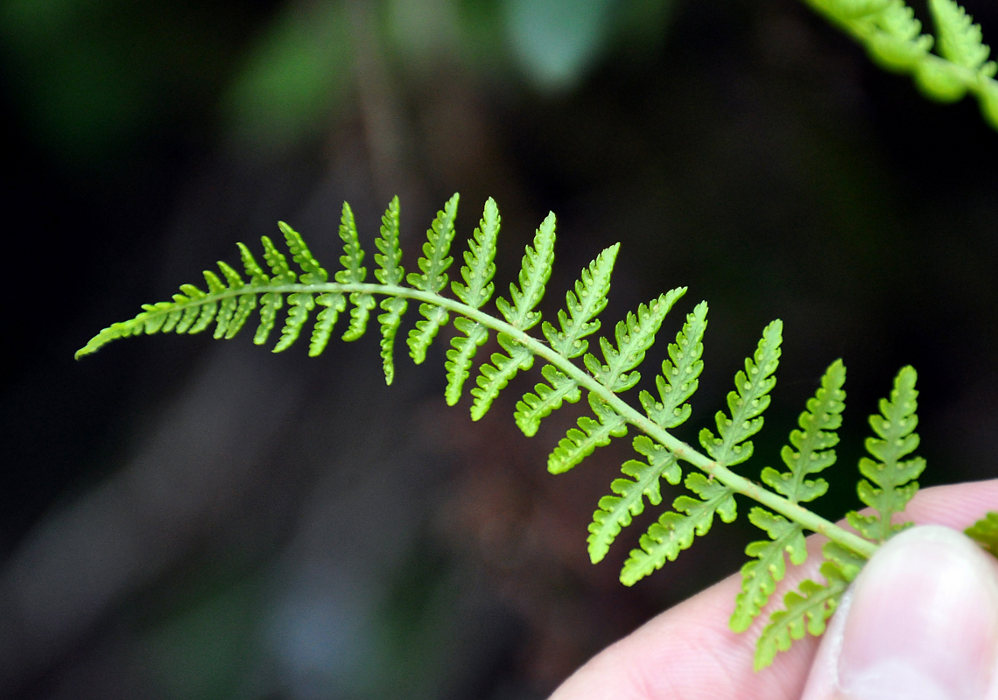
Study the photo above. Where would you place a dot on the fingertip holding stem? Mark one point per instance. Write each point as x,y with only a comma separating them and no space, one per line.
920,623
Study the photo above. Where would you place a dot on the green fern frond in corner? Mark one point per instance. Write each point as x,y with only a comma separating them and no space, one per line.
894,39
293,293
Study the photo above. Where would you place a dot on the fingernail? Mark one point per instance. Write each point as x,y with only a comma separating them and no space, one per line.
922,621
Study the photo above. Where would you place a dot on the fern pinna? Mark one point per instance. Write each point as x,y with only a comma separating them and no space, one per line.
606,372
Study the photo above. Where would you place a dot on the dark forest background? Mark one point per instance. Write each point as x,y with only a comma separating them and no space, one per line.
183,518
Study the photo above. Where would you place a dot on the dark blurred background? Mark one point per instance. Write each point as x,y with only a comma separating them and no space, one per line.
183,518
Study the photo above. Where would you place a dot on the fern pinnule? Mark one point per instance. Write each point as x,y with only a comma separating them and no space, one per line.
805,611
521,313
641,481
583,304
680,373
432,277
593,431
390,273
634,335
477,273
890,479
675,529
747,402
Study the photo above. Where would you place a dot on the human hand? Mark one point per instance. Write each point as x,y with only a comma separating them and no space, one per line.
920,623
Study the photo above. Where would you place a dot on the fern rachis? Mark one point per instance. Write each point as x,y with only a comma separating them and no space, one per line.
608,380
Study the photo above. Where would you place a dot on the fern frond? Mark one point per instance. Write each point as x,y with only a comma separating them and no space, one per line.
960,40
615,511
634,335
300,287
391,273
676,528
432,277
680,374
746,403
535,271
477,273
580,442
890,481
894,39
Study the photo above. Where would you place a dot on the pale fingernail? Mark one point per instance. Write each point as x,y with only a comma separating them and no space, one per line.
922,622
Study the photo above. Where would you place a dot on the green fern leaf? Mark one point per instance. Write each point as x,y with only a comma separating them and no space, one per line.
353,272
461,354
545,399
433,265
580,442
494,375
805,610
535,271
761,574
676,528
634,335
959,38
615,511
985,532
390,272
680,373
746,403
477,273
813,442
890,480
578,319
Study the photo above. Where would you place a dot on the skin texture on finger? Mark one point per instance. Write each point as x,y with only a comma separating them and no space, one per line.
688,652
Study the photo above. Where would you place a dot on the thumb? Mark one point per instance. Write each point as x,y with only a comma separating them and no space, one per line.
920,622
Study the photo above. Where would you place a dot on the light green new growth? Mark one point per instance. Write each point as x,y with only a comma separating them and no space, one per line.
946,66
609,378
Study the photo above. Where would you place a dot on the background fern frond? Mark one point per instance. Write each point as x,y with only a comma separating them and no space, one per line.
960,39
893,37
675,529
432,277
747,402
634,335
680,374
890,480
643,481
